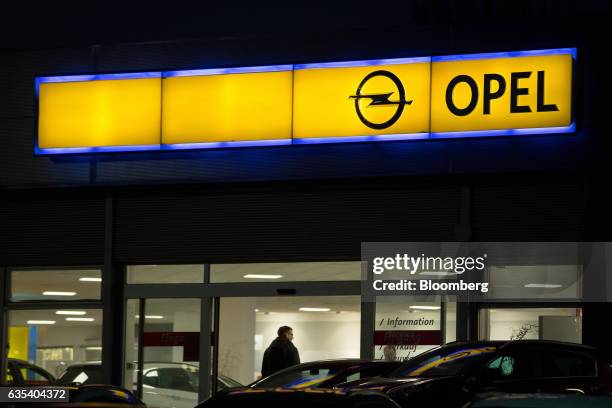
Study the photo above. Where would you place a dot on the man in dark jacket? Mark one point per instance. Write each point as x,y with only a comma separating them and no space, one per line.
281,353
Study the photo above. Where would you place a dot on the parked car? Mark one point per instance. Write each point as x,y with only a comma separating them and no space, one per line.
540,401
326,373
21,372
163,384
298,398
451,375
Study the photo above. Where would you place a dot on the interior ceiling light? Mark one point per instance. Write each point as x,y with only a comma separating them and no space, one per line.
71,312
41,322
543,285
88,279
151,317
425,307
314,309
52,293
80,319
255,276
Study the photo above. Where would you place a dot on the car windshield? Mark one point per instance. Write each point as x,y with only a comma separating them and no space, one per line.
228,382
302,376
445,361
82,375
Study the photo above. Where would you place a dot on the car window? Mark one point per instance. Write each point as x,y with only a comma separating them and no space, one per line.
34,376
224,382
526,364
299,378
82,375
515,365
443,361
366,372
151,378
504,365
566,364
177,379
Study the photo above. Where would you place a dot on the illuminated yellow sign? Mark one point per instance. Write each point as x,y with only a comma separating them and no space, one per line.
382,99
515,93
501,93
226,108
99,113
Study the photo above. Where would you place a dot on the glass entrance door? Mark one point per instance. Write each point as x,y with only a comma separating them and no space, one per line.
195,329
163,351
324,327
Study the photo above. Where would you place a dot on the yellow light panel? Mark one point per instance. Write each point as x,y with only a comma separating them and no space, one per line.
99,113
227,108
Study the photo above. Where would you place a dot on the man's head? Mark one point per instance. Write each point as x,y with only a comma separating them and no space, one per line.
285,332
389,353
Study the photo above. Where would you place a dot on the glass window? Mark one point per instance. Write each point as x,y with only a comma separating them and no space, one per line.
63,284
406,327
561,324
286,272
324,327
53,340
564,364
535,282
165,274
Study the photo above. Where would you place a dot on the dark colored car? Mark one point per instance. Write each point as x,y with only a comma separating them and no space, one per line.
20,372
298,398
326,373
451,375
541,401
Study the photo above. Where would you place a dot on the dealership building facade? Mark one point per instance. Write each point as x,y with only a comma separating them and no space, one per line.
196,254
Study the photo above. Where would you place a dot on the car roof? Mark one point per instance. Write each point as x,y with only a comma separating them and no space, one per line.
84,365
166,364
347,361
549,343
290,395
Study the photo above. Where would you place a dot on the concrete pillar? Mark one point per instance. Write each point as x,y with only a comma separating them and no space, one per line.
237,339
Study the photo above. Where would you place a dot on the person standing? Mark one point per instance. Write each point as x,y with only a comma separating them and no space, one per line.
281,353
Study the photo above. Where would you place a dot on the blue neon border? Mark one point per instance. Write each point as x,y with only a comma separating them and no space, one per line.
508,54
303,141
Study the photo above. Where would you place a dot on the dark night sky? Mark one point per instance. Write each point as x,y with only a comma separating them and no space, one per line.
51,24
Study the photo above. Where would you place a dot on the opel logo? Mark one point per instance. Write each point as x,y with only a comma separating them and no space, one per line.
381,99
